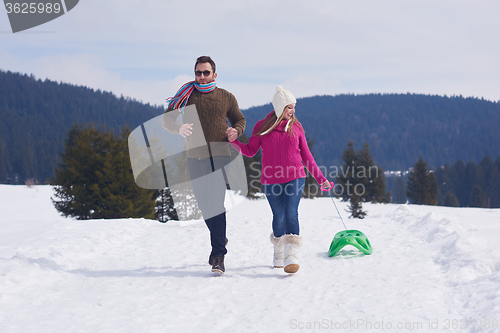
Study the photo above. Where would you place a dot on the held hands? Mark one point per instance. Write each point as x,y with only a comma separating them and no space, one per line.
232,134
185,130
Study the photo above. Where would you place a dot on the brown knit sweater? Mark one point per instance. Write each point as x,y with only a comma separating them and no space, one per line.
214,109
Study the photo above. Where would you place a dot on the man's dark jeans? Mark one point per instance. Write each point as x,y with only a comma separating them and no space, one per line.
209,186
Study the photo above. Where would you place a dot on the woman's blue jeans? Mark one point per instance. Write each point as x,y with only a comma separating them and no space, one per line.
284,201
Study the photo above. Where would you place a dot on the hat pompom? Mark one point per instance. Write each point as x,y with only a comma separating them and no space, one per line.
279,88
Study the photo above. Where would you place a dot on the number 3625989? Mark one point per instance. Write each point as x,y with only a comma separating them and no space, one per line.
32,8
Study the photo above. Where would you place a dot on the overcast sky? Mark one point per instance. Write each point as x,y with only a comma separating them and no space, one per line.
146,49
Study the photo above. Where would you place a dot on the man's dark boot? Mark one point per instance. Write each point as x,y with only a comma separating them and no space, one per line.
210,259
218,266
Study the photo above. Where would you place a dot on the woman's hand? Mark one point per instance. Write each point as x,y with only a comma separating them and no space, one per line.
232,134
326,186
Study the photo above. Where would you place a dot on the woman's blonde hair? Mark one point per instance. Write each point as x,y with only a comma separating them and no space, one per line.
271,124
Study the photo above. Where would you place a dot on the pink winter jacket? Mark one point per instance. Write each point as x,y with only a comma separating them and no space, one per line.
283,156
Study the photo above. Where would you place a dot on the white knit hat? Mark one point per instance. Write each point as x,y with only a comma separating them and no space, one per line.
281,99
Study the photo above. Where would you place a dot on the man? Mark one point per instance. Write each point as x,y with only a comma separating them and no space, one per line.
214,106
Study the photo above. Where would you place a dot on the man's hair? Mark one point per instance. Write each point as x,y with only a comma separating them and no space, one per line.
205,59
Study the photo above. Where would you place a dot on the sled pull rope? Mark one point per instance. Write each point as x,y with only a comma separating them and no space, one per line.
329,192
350,237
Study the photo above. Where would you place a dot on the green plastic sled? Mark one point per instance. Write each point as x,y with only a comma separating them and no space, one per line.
350,237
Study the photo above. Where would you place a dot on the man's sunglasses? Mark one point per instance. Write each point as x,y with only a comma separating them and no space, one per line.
205,73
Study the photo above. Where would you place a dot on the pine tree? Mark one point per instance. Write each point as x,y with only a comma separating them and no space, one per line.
459,184
346,178
371,176
165,210
399,191
355,208
450,200
187,205
422,186
494,196
470,180
478,197
484,174
95,180
349,181
361,179
445,183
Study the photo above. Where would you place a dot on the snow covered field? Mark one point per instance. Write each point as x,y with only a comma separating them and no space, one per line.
433,269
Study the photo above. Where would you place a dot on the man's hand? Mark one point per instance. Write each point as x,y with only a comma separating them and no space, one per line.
185,130
232,134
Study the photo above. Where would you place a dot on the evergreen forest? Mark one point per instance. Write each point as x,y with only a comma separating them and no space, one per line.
398,127
37,115
470,184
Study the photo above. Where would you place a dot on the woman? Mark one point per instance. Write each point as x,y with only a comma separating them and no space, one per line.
284,155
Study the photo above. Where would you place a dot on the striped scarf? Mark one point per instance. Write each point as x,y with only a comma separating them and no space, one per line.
182,95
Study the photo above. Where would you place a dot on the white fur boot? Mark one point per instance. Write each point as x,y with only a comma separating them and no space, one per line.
292,245
279,251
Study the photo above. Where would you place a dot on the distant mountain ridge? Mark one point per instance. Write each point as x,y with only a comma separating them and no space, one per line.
398,127
36,115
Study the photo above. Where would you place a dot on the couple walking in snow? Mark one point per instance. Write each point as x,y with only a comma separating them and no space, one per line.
284,155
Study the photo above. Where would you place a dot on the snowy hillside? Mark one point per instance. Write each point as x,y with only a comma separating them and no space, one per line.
433,269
